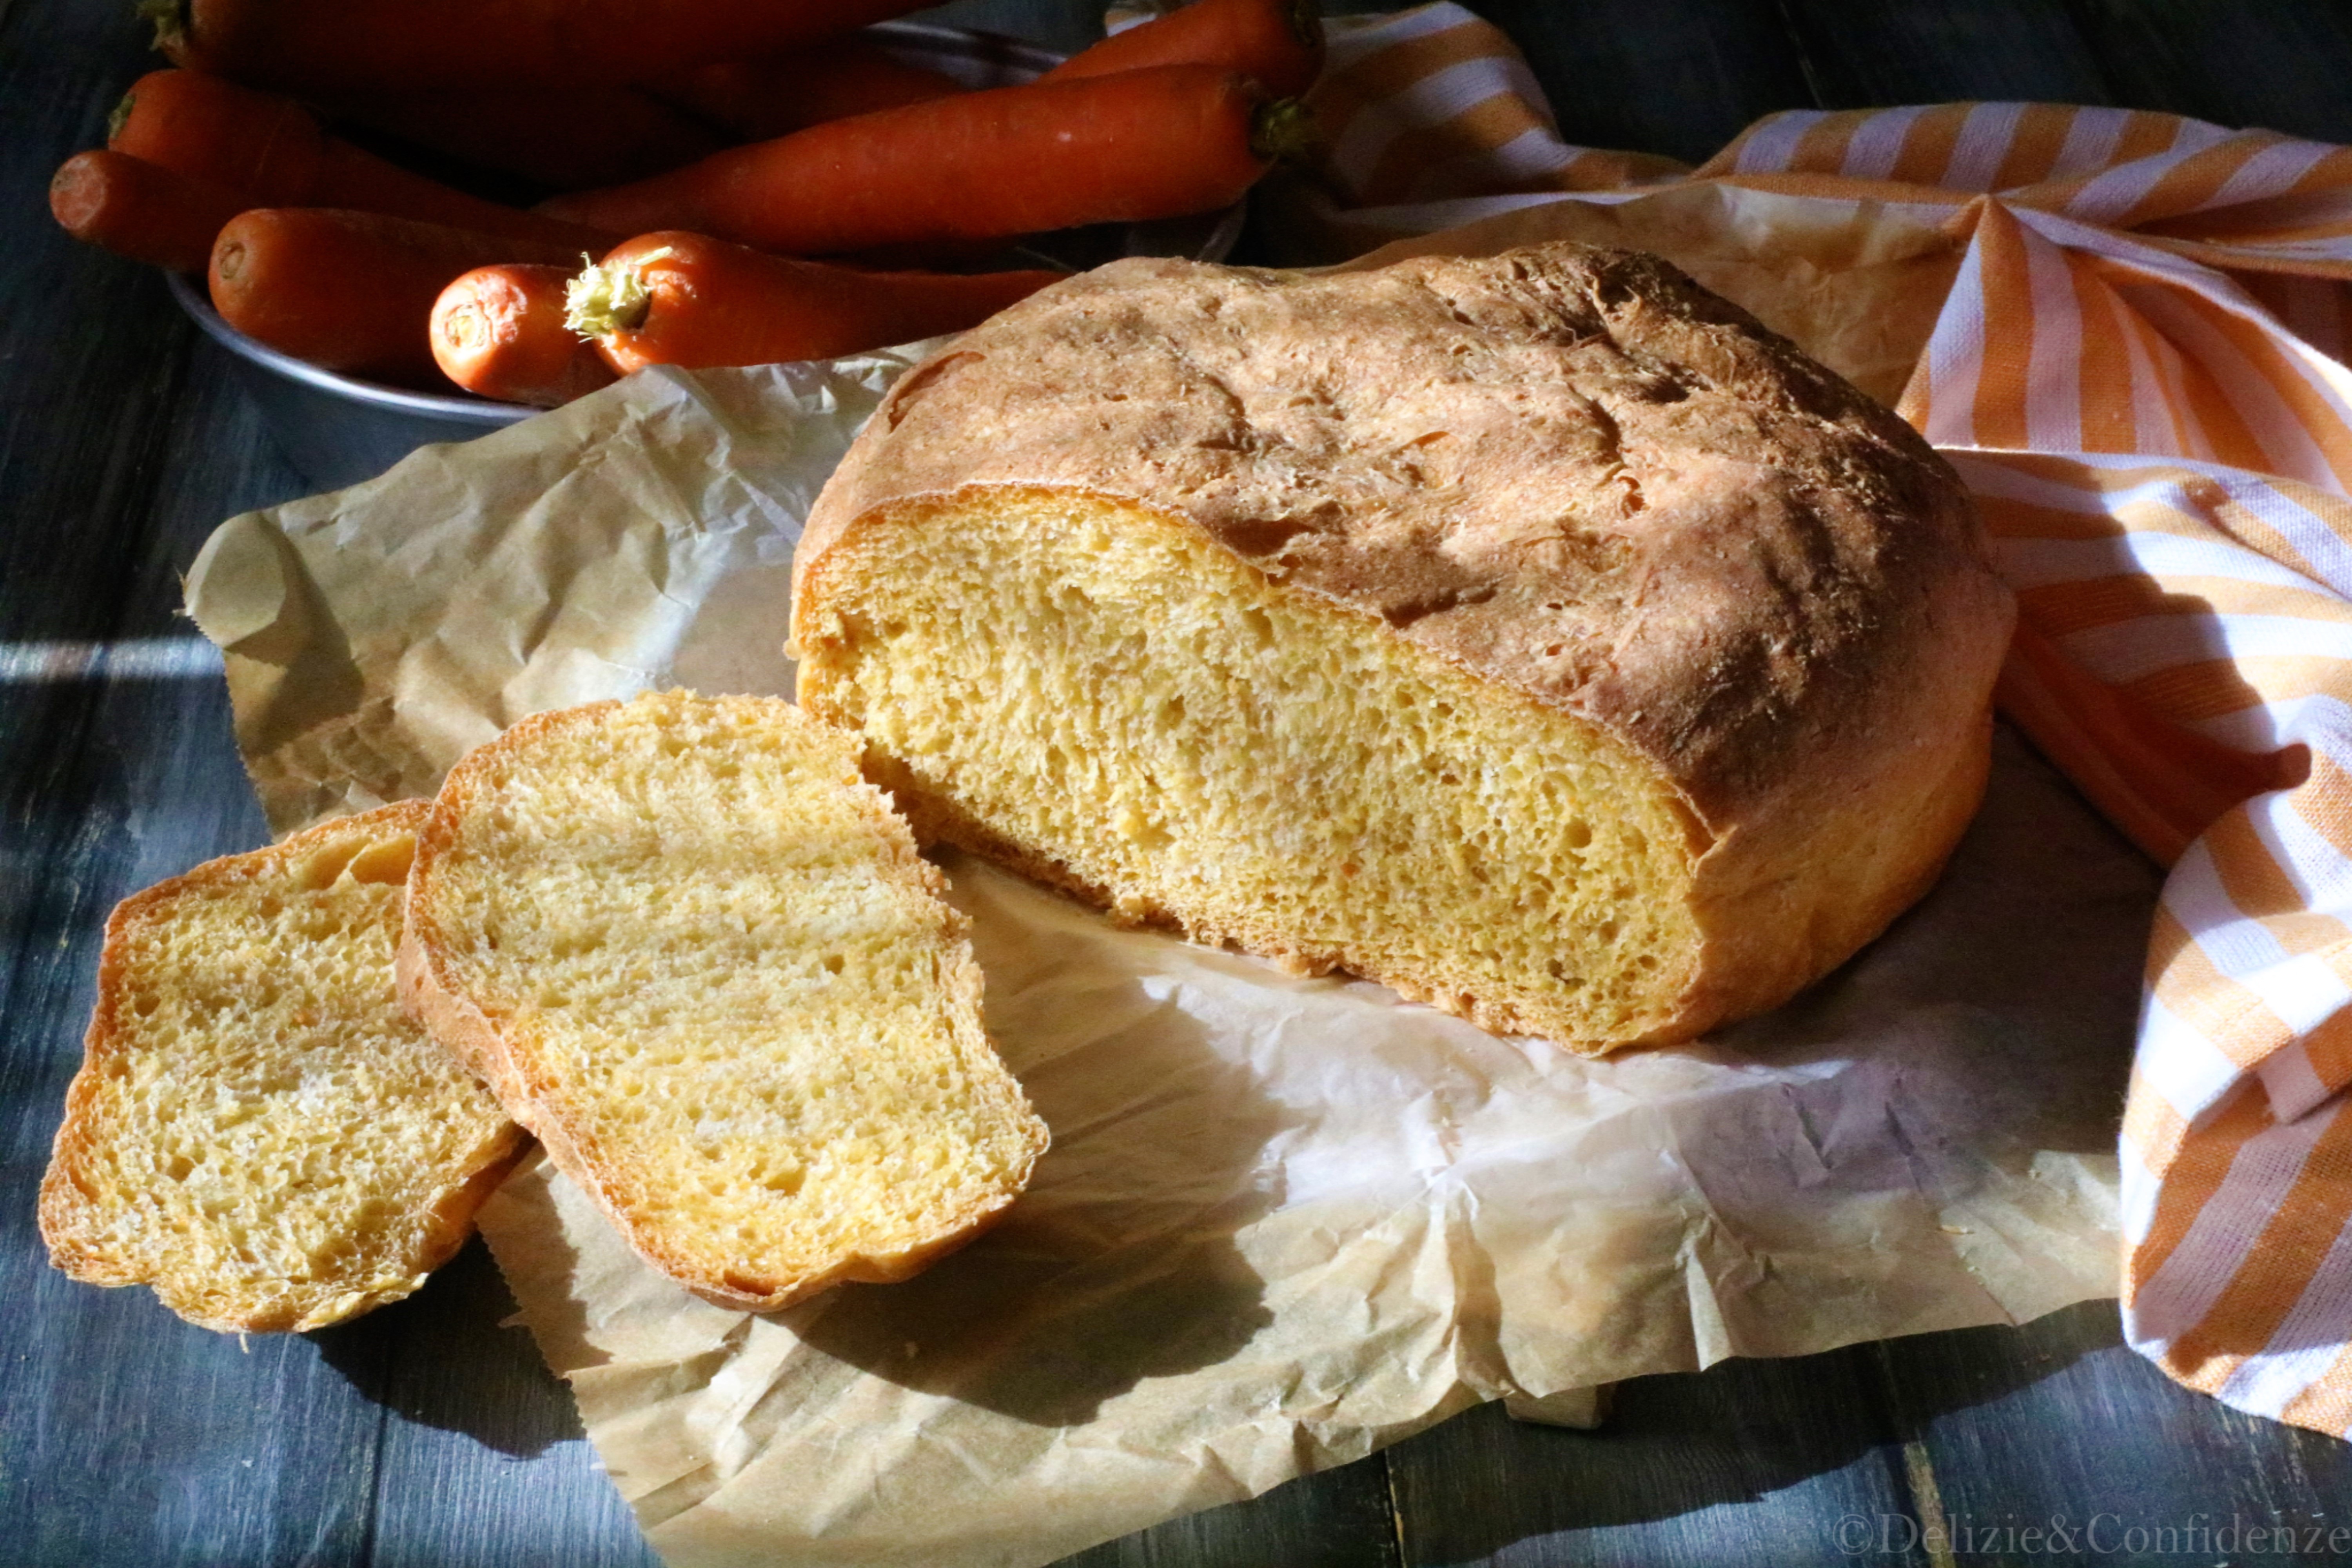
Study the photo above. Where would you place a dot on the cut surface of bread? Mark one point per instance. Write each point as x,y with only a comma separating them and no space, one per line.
1144,719
694,950
257,1129
1535,633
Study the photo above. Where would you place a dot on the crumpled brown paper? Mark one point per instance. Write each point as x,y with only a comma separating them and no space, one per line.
1284,1221
635,539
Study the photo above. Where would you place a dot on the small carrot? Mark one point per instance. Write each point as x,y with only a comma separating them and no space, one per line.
416,45
349,290
688,299
1147,143
567,138
1278,42
500,331
273,149
135,209
757,99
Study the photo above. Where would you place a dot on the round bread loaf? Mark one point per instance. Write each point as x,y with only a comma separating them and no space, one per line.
1537,633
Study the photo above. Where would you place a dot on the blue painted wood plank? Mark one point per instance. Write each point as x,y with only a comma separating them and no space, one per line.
483,1462
1752,1462
2274,63
1929,51
1338,1519
2058,1425
1677,76
131,1436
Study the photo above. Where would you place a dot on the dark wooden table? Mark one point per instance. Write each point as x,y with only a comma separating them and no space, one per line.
427,1434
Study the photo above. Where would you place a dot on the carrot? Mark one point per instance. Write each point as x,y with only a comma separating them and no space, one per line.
757,99
500,331
135,209
567,138
688,299
269,147
350,176
311,46
272,147
349,290
1278,42
1017,159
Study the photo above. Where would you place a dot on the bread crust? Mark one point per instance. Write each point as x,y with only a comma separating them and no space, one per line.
70,1207
527,1086
1568,470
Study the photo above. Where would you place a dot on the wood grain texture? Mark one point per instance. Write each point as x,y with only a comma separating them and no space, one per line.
1678,77
2279,64
129,1437
1933,51
474,1417
1752,1462
1341,1519
94,354
2059,1417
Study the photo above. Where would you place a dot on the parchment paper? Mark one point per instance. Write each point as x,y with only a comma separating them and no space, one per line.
1284,1222
636,539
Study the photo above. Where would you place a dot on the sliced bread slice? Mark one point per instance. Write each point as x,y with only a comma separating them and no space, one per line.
697,954
257,1129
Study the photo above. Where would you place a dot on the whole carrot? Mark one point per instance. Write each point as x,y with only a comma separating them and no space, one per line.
310,46
267,146
568,138
500,331
272,147
349,290
757,99
688,299
135,209
1145,144
1278,42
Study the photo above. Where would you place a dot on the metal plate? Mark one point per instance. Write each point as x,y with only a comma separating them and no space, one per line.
336,430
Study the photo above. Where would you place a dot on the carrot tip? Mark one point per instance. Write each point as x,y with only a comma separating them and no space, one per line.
171,19
121,117
1283,130
609,297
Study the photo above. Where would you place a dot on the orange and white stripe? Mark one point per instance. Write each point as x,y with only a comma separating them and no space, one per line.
2139,370
1430,118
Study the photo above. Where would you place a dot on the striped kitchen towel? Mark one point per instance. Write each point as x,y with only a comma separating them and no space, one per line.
2139,370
